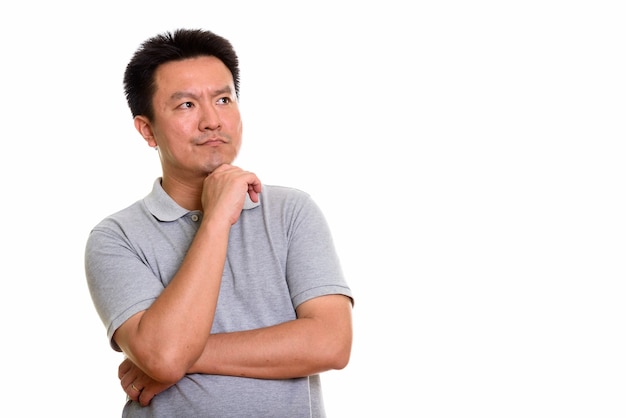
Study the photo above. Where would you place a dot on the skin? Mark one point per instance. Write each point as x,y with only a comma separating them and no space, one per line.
197,128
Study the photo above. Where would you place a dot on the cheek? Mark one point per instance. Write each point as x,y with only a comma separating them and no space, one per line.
239,136
176,133
240,130
235,130
180,125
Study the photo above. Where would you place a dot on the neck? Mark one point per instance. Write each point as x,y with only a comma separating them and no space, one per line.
184,192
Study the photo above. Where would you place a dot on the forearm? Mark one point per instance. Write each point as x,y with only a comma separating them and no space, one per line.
166,339
302,347
279,352
169,336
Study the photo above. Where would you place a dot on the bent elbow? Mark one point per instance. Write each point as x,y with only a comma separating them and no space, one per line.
341,358
165,372
164,368
338,353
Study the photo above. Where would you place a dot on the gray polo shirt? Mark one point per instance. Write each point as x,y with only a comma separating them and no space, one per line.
280,254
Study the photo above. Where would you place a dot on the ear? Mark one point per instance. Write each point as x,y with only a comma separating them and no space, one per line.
143,126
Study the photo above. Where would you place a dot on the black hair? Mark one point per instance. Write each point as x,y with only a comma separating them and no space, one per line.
139,83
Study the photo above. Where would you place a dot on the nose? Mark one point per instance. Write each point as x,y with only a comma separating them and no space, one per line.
209,119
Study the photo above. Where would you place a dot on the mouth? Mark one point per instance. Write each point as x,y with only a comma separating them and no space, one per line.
212,142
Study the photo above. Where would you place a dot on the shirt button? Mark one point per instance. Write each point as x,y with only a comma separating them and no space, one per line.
195,218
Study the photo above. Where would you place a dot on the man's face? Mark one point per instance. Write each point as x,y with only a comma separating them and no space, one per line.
196,125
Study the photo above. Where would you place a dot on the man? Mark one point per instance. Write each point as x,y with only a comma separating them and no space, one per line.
226,296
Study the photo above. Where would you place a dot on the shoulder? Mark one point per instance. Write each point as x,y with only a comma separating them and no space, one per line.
285,197
121,224
284,192
290,205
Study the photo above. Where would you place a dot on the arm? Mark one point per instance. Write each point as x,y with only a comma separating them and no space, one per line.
165,340
320,339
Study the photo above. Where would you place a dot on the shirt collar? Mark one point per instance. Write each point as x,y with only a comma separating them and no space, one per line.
165,209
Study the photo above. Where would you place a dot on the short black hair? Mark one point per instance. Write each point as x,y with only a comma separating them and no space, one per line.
139,83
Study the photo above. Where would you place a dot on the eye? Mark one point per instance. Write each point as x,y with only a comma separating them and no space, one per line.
224,100
186,105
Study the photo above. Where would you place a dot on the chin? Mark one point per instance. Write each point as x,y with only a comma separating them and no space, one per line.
210,167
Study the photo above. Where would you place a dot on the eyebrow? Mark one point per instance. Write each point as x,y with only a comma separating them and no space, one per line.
182,94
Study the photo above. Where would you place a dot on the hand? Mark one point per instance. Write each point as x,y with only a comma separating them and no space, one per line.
138,386
225,191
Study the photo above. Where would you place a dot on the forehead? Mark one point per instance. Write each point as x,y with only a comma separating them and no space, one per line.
193,73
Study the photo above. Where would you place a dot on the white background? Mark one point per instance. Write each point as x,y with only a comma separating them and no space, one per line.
469,157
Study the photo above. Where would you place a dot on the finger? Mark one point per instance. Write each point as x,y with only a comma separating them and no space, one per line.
145,397
254,187
133,392
254,195
127,381
123,368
